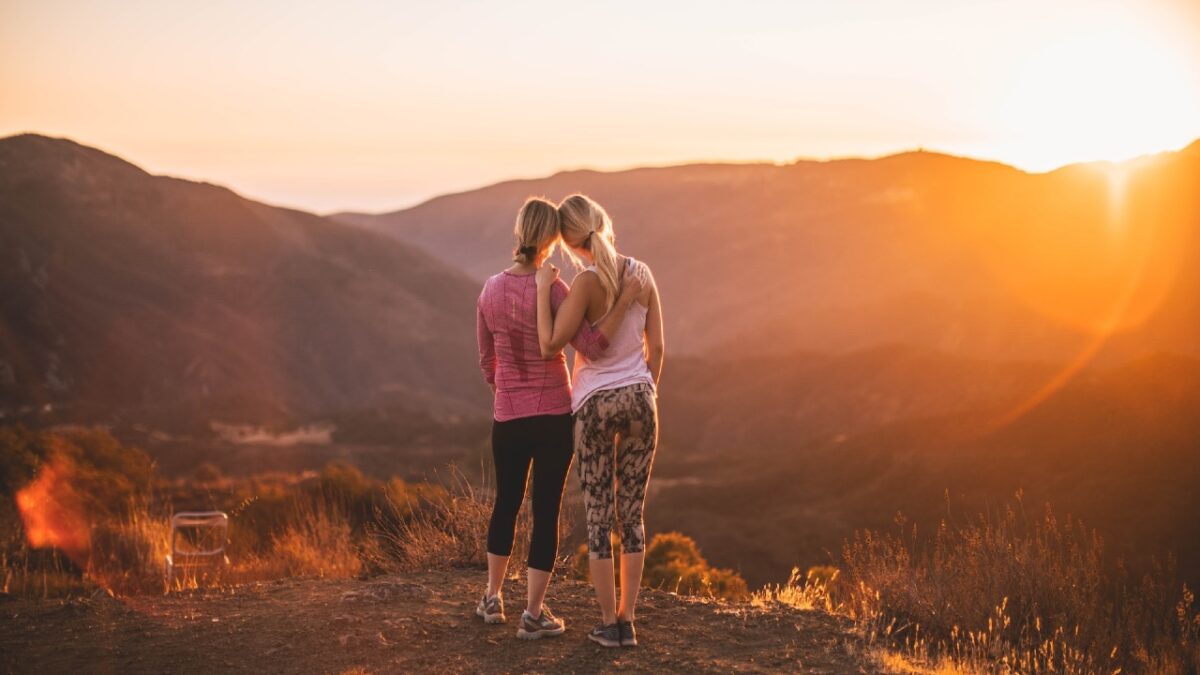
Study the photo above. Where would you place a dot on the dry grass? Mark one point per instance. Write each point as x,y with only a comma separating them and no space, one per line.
1006,593
444,527
808,590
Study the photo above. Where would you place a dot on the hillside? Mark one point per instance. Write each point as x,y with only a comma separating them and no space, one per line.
855,338
765,481
419,623
128,296
943,252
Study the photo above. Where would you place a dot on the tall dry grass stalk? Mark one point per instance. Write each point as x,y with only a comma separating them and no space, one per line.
803,590
317,541
447,528
1012,593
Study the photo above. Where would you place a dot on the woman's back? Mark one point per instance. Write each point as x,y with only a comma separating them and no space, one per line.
622,364
526,384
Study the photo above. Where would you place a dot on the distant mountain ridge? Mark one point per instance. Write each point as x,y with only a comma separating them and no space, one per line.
919,247
151,297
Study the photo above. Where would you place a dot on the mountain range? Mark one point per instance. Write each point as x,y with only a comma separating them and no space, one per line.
966,256
846,340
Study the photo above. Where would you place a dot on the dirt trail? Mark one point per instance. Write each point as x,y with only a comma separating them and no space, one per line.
414,623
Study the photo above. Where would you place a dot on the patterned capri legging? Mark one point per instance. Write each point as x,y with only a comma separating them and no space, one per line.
616,431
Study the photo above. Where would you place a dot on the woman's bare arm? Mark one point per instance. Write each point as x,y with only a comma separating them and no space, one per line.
655,341
553,333
556,328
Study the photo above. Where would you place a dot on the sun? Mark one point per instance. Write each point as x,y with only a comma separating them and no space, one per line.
1104,93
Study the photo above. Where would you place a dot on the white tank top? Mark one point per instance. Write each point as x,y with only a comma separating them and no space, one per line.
622,364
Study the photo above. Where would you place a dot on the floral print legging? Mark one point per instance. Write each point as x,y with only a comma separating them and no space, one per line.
616,431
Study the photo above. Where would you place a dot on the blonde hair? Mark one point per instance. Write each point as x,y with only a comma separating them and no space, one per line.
583,220
536,229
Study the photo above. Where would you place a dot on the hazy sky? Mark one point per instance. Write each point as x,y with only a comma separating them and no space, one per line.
376,105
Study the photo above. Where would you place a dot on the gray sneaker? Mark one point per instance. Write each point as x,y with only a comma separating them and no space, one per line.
491,609
547,625
608,635
628,634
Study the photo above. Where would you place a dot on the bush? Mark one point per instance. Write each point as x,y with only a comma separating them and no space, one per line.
436,526
673,562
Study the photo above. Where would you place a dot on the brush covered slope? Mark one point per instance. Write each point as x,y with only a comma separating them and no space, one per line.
125,295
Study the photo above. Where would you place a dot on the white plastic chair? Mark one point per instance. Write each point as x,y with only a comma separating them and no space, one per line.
214,535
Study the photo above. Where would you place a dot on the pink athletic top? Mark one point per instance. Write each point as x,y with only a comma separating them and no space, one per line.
509,354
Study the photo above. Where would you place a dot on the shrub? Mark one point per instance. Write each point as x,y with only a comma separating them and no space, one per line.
673,562
316,541
436,526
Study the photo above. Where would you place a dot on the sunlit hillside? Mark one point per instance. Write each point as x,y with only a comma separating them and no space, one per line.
961,255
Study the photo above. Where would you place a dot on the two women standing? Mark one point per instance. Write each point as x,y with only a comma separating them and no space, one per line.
612,316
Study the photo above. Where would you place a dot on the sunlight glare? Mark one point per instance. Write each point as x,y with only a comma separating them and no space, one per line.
1106,94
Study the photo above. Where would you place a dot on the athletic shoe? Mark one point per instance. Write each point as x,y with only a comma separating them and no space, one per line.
544,626
491,609
608,635
628,634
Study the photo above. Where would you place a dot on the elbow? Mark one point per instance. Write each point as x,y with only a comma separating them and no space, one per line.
552,348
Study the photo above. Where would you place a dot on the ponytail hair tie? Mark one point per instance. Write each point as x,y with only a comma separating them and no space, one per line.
527,251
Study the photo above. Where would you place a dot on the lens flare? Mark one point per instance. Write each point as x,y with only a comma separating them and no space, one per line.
52,514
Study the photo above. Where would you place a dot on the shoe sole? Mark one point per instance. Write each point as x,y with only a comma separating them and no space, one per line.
489,618
604,642
535,634
632,643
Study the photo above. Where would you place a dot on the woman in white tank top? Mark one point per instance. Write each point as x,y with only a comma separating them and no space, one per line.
613,397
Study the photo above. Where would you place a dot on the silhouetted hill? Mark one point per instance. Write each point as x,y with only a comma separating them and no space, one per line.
966,256
127,296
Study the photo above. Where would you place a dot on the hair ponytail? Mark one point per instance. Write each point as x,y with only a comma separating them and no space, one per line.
536,230
586,221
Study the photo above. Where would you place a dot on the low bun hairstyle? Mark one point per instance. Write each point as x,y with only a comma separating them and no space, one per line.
584,221
536,230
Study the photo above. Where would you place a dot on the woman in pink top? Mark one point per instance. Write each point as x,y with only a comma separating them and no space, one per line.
615,403
532,412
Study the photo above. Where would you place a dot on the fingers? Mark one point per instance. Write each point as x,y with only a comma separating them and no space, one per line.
639,270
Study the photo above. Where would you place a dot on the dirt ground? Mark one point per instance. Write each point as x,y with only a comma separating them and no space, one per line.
416,623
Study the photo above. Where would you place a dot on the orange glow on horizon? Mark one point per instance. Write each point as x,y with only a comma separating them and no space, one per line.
369,106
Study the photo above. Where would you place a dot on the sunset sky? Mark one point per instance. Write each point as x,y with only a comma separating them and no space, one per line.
377,105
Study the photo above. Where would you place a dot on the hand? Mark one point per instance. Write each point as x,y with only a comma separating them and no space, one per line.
631,284
546,275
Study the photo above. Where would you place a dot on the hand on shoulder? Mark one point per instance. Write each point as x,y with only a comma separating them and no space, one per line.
637,275
546,275
632,284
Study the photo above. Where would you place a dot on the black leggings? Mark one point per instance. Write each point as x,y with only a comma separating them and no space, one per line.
548,442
